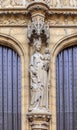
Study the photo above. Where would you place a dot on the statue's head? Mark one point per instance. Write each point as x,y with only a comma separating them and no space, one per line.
37,44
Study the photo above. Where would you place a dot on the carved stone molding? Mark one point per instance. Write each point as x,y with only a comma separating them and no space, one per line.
37,24
60,20
64,3
64,11
13,11
12,3
13,20
51,3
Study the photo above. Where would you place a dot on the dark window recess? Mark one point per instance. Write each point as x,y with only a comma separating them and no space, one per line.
10,89
66,89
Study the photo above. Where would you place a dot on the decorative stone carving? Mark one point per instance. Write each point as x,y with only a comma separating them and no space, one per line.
39,121
64,3
63,20
9,3
13,20
51,3
4,3
38,28
39,70
17,2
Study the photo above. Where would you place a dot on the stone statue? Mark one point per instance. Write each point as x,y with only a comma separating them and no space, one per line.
39,66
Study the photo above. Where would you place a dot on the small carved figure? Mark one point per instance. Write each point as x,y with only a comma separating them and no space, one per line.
38,78
46,77
46,59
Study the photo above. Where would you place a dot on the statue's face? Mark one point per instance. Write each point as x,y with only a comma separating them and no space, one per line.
38,46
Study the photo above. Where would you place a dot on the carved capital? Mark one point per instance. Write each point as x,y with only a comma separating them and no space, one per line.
39,121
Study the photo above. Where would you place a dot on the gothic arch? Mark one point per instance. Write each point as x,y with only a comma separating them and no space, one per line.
9,41
65,42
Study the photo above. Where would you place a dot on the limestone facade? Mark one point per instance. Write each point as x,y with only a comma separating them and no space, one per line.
58,20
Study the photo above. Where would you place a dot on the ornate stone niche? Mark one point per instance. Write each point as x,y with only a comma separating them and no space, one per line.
38,34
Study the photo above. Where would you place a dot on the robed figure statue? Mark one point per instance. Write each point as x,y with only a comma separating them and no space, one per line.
39,70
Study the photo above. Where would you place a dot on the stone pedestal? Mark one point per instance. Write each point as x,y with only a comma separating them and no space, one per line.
39,120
